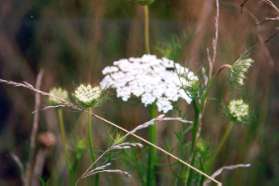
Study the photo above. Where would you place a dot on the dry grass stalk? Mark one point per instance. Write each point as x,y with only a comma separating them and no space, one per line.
29,169
230,167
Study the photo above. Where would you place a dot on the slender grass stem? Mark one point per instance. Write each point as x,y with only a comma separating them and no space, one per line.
152,131
219,148
91,142
146,29
195,130
152,154
62,132
90,136
223,140
65,144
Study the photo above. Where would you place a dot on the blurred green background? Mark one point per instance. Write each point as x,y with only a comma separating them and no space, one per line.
72,40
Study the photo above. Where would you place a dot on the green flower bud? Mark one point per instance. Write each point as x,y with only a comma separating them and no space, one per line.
238,110
87,95
58,96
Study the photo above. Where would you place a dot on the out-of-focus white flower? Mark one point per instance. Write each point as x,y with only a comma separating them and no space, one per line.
58,95
153,80
238,110
87,95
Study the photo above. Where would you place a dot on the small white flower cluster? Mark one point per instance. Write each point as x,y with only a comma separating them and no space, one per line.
87,95
239,110
150,78
58,95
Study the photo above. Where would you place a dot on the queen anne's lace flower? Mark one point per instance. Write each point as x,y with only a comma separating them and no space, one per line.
87,95
58,95
154,80
238,110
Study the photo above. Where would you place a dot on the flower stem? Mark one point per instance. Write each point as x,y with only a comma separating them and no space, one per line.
152,155
62,132
152,131
90,141
223,140
195,130
64,143
146,29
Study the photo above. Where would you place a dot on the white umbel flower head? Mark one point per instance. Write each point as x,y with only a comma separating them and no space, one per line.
87,95
153,80
238,110
58,95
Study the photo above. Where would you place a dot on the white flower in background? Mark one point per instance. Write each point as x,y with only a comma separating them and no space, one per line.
87,95
153,80
238,110
58,95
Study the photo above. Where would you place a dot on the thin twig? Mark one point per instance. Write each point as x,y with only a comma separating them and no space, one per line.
270,3
110,171
230,167
32,88
38,166
262,41
211,59
272,18
49,107
35,127
215,40
19,164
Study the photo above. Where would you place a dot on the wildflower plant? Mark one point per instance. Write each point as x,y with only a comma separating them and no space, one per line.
238,111
58,95
159,82
153,80
87,95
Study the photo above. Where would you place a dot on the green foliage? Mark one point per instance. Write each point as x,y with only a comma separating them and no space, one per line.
171,49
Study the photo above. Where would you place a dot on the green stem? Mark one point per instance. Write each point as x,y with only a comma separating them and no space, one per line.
62,132
70,171
195,130
64,143
152,131
146,29
90,141
90,135
223,140
152,155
